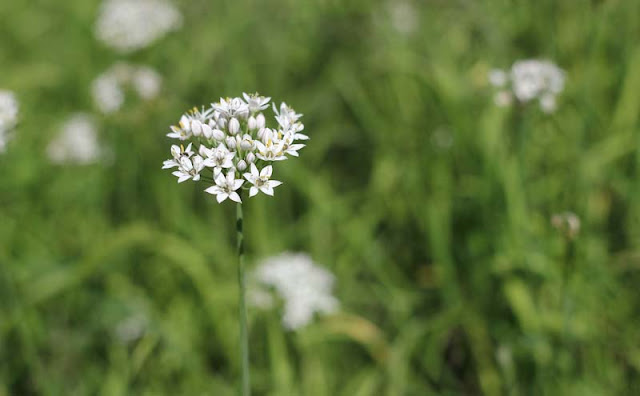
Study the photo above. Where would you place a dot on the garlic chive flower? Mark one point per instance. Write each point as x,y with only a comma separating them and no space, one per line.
304,287
226,187
234,144
528,80
108,89
260,180
77,142
130,25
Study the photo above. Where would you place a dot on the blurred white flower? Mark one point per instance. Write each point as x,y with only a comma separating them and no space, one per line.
77,142
403,17
231,136
498,78
304,287
107,93
8,117
132,328
146,82
129,25
568,223
108,89
528,80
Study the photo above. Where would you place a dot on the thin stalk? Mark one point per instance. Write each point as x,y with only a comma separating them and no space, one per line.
244,389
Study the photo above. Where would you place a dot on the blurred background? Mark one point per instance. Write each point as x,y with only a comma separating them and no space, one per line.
430,204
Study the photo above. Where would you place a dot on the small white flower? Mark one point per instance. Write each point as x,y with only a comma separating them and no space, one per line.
403,17
231,108
498,78
270,151
226,187
183,130
218,158
531,78
189,168
177,152
260,180
288,145
77,142
8,116
256,102
108,89
146,82
107,93
305,287
528,80
129,25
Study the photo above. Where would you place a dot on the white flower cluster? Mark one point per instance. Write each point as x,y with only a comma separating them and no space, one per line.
8,116
129,25
108,89
304,287
232,137
529,80
77,142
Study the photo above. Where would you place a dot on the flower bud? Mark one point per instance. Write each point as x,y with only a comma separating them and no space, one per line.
241,165
196,127
231,142
222,122
234,126
260,121
260,133
267,135
246,143
252,123
251,158
207,131
175,151
217,134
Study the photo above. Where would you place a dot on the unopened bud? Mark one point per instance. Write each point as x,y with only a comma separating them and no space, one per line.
217,134
207,131
246,144
241,165
252,123
260,121
251,158
234,126
231,142
196,127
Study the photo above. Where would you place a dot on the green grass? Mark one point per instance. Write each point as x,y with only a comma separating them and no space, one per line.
449,273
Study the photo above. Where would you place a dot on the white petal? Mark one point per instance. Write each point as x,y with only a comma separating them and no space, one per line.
253,191
213,190
267,190
237,183
274,183
267,171
249,177
221,197
235,197
254,170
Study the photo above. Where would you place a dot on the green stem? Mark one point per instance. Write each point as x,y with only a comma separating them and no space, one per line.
242,310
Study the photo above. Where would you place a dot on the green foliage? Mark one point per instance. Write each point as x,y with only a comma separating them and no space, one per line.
451,278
